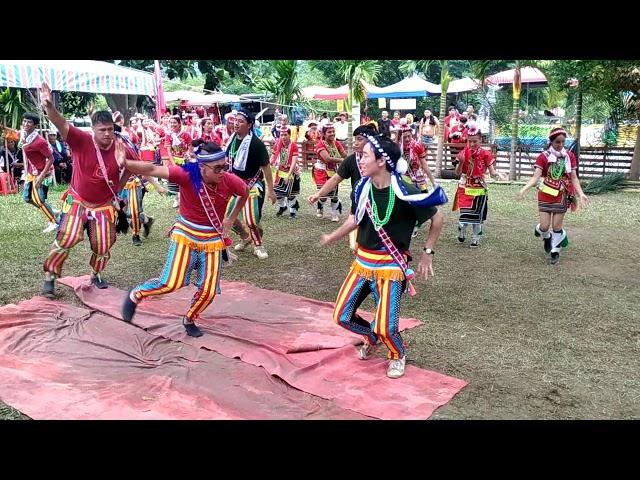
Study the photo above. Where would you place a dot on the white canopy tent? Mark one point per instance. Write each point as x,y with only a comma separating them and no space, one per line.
76,76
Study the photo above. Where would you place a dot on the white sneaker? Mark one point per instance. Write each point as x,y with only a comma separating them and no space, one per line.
176,203
335,218
366,350
56,213
50,227
242,245
318,213
260,252
396,368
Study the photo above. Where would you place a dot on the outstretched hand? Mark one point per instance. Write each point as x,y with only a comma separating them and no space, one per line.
326,240
121,153
46,97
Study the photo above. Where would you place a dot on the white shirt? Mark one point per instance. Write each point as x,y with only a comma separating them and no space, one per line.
342,130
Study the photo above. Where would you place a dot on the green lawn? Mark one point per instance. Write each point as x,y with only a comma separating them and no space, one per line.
534,341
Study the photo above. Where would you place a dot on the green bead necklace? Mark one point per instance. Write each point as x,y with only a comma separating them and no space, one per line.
377,222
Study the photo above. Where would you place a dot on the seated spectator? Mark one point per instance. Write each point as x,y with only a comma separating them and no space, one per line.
61,159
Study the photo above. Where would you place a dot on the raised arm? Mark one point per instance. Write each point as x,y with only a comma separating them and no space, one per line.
52,113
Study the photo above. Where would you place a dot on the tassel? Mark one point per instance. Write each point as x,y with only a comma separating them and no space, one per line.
215,246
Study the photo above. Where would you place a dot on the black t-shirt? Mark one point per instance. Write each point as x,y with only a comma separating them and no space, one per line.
400,227
349,169
384,126
256,158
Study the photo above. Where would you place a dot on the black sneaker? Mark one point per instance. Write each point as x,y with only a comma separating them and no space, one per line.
136,240
99,282
547,244
147,227
555,258
460,234
128,308
475,244
49,289
281,210
192,329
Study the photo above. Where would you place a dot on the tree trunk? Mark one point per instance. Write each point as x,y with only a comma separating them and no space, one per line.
634,172
443,107
514,122
125,104
578,123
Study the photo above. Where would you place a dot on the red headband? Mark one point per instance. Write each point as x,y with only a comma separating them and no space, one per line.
555,133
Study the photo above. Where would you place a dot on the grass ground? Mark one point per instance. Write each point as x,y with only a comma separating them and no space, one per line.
534,341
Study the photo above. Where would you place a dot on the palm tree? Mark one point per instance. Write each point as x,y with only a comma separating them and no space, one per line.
284,83
412,66
517,85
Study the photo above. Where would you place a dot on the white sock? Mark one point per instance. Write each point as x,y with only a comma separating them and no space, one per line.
292,203
282,202
334,208
556,240
544,233
463,228
477,228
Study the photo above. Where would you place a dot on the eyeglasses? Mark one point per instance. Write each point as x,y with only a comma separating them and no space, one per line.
217,168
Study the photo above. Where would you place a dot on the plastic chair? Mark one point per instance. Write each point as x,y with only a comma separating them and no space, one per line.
7,185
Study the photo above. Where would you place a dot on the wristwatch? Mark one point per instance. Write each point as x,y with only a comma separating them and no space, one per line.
428,251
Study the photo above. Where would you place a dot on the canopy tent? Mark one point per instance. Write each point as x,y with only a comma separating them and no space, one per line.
528,75
198,98
409,87
465,84
325,93
76,76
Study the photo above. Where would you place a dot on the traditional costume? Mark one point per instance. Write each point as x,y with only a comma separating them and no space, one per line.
286,187
322,171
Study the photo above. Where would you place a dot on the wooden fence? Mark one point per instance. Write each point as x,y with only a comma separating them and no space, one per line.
594,161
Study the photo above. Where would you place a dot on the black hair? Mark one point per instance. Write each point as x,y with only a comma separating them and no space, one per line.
390,148
176,117
432,119
247,116
366,129
103,117
117,128
33,117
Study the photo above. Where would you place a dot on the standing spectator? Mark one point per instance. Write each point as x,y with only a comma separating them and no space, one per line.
384,124
324,119
396,118
61,162
342,128
429,128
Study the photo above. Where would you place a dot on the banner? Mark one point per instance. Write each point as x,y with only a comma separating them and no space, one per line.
382,103
402,104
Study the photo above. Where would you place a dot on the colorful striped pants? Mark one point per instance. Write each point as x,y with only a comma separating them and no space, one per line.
133,195
37,197
100,225
181,261
252,211
384,327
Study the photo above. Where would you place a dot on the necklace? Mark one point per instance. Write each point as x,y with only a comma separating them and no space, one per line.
375,218
556,170
233,149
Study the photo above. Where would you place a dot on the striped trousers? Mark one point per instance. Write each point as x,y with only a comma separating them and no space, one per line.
133,195
190,249
36,197
384,328
75,218
252,211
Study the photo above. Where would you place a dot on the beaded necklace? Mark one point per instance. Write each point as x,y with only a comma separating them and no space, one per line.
378,223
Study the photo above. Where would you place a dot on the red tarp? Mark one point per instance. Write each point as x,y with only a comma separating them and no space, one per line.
46,356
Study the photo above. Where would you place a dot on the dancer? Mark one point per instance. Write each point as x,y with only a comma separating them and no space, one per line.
381,266
250,161
287,186
558,183
330,152
198,237
471,194
39,158
89,201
